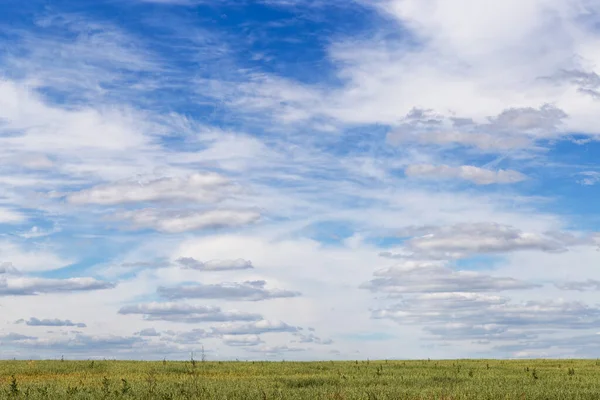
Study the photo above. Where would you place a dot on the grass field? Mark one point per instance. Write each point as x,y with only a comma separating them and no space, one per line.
461,379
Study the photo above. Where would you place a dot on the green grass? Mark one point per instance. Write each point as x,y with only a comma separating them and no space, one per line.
461,379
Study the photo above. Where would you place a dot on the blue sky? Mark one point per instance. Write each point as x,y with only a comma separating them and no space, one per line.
299,179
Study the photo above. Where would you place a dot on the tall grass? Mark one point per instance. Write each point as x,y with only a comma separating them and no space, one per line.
369,380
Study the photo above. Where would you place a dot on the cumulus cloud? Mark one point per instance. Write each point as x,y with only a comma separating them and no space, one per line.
15,337
470,316
512,129
204,187
584,346
79,115
311,338
431,277
8,268
214,265
484,141
195,336
254,328
51,322
588,284
148,332
540,122
184,221
77,344
27,286
457,241
470,173
187,313
245,291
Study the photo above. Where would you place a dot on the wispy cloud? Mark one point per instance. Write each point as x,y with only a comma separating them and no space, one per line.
177,312
274,168
248,291
51,322
479,176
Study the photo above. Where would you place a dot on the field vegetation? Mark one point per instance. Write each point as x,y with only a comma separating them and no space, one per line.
369,380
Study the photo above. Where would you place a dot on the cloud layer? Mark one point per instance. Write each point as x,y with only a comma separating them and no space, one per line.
301,185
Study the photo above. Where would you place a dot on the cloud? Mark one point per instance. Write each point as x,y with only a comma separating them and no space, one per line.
461,240
92,343
51,322
584,346
8,269
86,105
184,221
510,130
15,337
21,106
158,263
254,328
590,178
148,332
588,284
78,66
242,340
37,232
416,277
245,291
215,265
178,312
274,350
586,82
311,338
9,216
476,175
472,316
195,336
539,122
204,187
487,142
32,258
28,286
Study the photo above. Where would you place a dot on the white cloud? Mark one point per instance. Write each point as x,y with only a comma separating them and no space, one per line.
254,328
588,284
460,65
198,187
52,322
245,291
590,178
183,221
31,259
476,175
79,129
461,240
429,277
474,78
242,340
25,286
188,313
215,265
8,216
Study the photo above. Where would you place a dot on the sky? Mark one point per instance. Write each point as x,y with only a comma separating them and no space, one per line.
299,179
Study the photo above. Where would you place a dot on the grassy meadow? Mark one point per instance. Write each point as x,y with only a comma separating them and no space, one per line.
369,380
